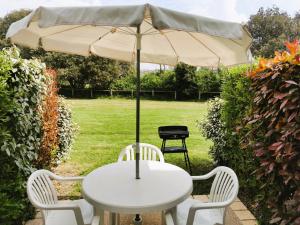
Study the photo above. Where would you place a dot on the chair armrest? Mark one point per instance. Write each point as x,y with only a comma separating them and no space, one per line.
60,178
205,177
209,205
60,206
96,220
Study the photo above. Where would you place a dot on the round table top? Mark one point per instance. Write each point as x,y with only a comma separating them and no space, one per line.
113,187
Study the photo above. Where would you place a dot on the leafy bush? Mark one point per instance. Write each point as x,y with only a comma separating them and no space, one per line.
225,127
213,128
274,134
151,80
237,105
66,131
125,83
185,85
27,85
261,123
22,88
29,129
208,80
49,142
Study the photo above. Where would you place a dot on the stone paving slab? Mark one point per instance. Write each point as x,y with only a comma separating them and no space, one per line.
237,214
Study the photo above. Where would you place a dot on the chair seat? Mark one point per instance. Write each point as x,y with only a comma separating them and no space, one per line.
67,217
202,217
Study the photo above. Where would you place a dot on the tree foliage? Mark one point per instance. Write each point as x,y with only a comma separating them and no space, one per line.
185,83
270,28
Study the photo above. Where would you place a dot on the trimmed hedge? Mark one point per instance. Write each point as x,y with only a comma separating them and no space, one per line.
274,133
259,123
24,86
28,130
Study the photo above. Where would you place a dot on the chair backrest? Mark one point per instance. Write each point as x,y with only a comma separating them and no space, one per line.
41,191
147,152
224,187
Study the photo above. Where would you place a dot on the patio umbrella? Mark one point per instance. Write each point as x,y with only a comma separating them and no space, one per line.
141,33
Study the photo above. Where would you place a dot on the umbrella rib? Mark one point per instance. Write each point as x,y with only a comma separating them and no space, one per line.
133,52
196,39
148,30
163,34
125,31
98,39
236,42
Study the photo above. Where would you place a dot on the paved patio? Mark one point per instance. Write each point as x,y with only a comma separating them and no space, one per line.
236,215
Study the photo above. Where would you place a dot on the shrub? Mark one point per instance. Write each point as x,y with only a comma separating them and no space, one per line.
66,131
29,126
208,80
27,85
225,127
49,142
22,88
274,133
185,85
125,83
168,80
213,128
151,80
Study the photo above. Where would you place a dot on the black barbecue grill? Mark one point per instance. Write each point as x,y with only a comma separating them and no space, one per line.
175,133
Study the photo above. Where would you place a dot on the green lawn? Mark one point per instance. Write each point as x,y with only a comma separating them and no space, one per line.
108,125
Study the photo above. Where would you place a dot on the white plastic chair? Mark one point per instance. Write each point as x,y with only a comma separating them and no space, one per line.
223,192
147,152
42,195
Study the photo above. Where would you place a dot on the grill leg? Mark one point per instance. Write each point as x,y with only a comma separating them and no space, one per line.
185,160
186,157
163,145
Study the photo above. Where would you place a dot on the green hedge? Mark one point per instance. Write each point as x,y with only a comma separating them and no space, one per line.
185,79
23,87
225,127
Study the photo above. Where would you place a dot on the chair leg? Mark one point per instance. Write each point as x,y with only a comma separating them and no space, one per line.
100,213
112,218
163,219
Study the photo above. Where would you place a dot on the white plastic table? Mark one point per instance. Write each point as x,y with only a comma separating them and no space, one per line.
114,188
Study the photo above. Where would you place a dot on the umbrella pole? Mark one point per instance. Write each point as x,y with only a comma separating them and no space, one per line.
138,88
138,220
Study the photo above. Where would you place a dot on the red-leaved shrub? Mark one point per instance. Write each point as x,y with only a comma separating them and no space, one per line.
50,115
275,132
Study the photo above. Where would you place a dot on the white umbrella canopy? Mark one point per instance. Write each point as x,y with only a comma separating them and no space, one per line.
141,33
167,37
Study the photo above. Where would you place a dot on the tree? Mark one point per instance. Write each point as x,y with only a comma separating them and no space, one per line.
270,28
185,84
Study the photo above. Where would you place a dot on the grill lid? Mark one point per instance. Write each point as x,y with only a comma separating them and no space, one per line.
173,132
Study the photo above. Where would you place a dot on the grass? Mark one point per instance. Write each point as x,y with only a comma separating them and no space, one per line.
108,125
